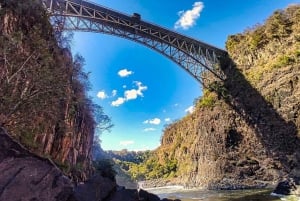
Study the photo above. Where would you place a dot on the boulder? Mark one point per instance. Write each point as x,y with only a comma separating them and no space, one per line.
125,195
146,196
97,188
136,195
290,186
28,177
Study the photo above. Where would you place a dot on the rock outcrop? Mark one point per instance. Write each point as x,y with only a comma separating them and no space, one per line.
28,177
25,176
288,186
244,132
95,188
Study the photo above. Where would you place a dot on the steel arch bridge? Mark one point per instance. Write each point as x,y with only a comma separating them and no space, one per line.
196,57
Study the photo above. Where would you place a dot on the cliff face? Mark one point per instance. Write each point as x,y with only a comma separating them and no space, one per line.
43,103
245,131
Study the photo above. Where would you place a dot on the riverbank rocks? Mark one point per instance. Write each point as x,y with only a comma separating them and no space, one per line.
154,183
135,195
144,195
25,176
233,184
290,186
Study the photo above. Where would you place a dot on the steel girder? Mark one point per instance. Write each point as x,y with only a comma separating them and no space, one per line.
194,56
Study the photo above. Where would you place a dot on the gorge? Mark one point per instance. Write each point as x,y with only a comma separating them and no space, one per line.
244,132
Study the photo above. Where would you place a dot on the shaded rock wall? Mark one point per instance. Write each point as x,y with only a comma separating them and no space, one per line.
245,131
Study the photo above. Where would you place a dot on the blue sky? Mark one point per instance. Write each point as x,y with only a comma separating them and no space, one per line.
142,90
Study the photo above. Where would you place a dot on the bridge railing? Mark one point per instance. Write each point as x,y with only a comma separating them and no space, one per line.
96,6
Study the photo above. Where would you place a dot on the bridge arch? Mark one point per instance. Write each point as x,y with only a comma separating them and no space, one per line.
193,56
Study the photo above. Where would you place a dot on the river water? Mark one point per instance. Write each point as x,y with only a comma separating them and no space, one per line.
177,192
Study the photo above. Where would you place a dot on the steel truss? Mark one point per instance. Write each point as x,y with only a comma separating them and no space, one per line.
194,56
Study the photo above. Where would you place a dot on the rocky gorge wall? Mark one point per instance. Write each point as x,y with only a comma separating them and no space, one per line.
43,103
245,131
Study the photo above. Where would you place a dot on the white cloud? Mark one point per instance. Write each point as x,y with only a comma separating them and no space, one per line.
134,93
102,95
155,121
126,142
131,94
114,93
190,109
149,129
188,18
167,119
118,102
124,73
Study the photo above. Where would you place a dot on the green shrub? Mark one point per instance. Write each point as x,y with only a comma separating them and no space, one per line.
105,167
27,139
65,167
297,53
208,100
283,61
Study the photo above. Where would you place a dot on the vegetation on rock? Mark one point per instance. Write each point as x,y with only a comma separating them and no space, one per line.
259,49
244,132
43,94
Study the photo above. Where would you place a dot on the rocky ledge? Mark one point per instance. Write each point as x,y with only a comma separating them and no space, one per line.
28,177
25,176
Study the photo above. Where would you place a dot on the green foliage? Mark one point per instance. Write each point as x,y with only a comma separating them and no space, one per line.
233,41
219,88
79,166
27,139
129,156
283,60
254,76
257,38
208,100
149,168
105,167
297,53
264,48
278,25
64,166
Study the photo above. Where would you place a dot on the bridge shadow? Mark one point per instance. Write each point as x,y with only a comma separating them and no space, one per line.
278,137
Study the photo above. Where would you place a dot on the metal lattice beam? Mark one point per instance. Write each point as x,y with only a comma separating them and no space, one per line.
194,56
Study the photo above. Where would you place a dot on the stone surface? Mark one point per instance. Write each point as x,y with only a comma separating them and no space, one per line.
125,195
96,188
144,195
134,195
27,177
288,186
